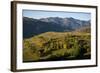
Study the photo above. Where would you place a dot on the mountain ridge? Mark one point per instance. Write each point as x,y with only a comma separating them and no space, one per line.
32,26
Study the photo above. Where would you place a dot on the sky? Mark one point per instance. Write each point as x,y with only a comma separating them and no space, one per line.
44,14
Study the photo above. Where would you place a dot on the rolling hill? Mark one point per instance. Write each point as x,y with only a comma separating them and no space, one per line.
52,46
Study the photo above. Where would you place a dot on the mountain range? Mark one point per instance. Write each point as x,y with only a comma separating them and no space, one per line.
32,27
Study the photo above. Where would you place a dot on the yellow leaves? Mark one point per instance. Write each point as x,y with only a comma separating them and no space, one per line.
65,46
55,44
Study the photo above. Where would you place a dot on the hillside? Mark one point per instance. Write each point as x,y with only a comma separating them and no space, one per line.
32,27
52,46
84,29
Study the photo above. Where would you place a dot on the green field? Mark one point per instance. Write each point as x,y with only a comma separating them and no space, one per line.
55,46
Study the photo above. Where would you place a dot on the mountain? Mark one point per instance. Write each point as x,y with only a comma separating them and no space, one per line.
32,27
67,22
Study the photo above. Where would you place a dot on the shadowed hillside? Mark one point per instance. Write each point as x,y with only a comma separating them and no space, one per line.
32,27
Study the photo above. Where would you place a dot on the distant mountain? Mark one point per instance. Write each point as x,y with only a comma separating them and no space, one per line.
32,27
67,22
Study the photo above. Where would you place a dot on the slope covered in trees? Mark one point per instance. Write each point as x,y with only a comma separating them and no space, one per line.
52,46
